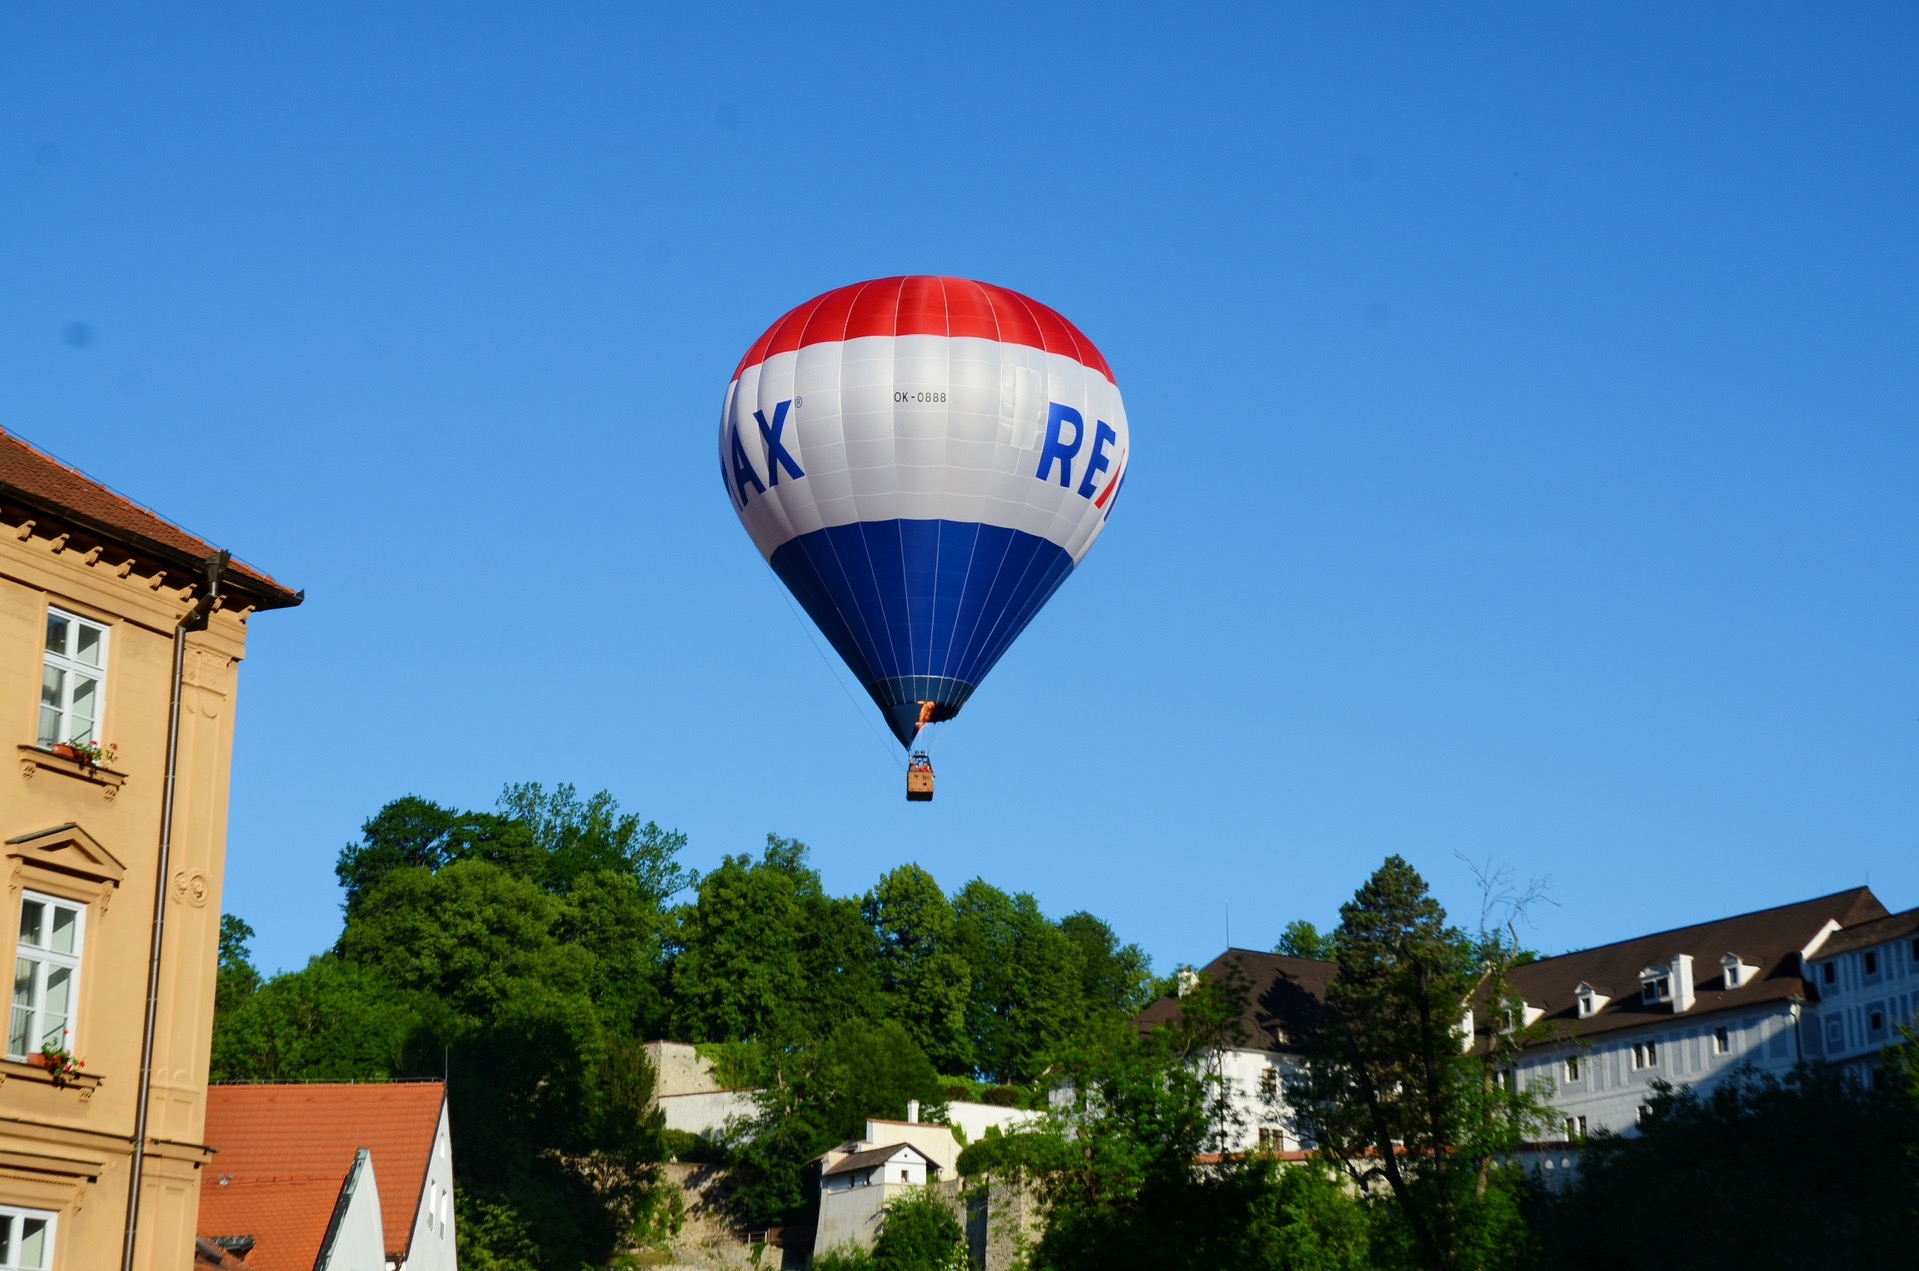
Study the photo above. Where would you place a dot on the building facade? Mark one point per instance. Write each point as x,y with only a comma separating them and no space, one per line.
106,610
331,1177
1684,1006
1826,980
1867,981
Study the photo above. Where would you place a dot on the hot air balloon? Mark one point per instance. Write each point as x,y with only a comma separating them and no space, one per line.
923,461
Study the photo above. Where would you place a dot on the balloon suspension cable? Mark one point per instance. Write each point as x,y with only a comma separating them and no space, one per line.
885,744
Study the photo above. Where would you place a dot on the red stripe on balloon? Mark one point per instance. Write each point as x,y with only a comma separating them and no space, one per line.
922,305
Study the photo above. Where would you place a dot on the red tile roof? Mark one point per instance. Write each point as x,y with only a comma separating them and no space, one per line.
283,1152
36,478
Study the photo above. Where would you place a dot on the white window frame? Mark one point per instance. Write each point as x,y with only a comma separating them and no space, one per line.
71,668
44,958
1655,989
1645,1055
1572,1068
1722,1040
13,1216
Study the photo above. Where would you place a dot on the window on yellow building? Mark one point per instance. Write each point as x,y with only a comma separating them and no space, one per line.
46,976
26,1239
72,683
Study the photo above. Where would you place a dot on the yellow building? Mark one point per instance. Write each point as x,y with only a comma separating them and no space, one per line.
117,630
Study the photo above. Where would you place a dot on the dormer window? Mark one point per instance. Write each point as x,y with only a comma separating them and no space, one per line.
1738,971
1590,1000
1655,985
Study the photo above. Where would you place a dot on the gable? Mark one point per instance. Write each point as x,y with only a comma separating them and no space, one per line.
66,861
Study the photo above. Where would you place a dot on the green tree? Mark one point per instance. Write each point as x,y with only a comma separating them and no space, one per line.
738,974
1130,1176
237,979
610,915
330,1021
1116,980
920,1232
412,833
1027,993
825,1092
920,967
1810,1170
1301,939
578,837
1390,1095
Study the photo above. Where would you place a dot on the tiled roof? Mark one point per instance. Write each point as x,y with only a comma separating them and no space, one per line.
39,480
1284,997
283,1152
1769,939
208,1254
874,1156
1867,934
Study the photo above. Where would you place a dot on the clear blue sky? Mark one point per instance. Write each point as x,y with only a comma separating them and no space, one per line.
1528,458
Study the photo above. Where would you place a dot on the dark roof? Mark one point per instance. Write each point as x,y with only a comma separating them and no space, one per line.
873,1156
1286,992
1284,996
1769,939
1867,934
38,480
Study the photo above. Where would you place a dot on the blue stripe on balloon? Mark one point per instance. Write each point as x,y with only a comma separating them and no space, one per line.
920,610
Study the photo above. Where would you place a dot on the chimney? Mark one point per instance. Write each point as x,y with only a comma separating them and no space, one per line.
1682,996
913,1111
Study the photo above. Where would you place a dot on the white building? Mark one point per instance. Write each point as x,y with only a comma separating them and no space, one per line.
1284,994
1684,1006
335,1177
860,1178
1867,979
1828,979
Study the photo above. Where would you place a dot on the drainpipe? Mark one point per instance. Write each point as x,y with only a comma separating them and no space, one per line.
195,620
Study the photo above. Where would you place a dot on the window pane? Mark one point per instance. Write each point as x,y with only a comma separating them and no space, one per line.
22,1028
86,708
87,644
66,928
6,1239
33,1243
33,923
58,629
53,689
49,725
55,1010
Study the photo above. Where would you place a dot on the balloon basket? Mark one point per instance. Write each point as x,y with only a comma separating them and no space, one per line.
919,778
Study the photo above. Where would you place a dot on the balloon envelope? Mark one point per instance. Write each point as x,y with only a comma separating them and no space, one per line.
923,461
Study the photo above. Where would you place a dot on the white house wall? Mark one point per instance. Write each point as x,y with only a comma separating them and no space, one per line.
975,1119
1609,1090
434,1245
1841,1031
1244,1072
359,1242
